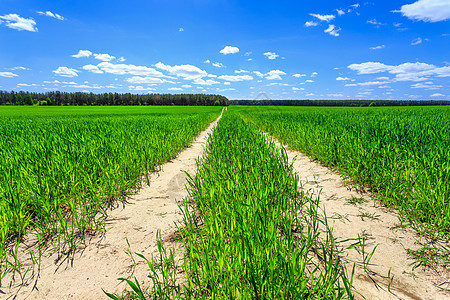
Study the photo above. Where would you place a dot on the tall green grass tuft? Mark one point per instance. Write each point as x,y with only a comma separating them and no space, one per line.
248,231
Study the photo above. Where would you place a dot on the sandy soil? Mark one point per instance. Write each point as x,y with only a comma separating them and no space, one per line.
379,225
97,266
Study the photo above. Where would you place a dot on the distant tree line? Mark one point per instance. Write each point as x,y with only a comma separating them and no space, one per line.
78,99
356,103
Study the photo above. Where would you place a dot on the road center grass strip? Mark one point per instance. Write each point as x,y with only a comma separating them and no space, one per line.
60,167
248,232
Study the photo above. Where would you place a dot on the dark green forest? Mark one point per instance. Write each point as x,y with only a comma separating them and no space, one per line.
79,99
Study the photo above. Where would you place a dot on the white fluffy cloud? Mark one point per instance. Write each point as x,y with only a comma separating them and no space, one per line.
437,95
125,69
19,68
66,72
369,67
311,24
326,18
332,30
14,21
201,81
340,12
174,89
375,22
427,10
271,75
188,72
418,41
274,75
186,86
343,78
50,14
8,74
82,53
236,77
377,47
241,71
217,65
93,69
103,57
259,74
298,75
229,50
271,55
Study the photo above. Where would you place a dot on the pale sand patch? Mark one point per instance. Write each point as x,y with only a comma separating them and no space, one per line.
104,259
346,221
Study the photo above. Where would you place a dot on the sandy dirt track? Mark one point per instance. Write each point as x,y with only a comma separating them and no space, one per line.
379,225
104,259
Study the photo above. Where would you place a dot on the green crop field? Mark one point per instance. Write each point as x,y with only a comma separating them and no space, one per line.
400,153
61,167
249,231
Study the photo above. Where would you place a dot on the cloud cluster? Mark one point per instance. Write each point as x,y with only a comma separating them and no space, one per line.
187,72
326,18
66,72
377,47
236,77
311,24
127,69
217,65
404,72
14,21
93,69
8,74
271,55
271,75
99,56
229,50
103,56
418,41
332,30
82,53
51,15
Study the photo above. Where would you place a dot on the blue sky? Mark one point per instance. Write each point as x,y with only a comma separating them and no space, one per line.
287,49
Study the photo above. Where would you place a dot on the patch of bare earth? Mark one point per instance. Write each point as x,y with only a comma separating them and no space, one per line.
96,266
352,214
